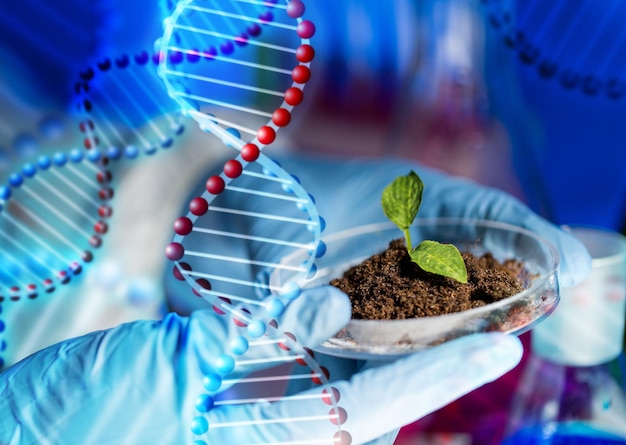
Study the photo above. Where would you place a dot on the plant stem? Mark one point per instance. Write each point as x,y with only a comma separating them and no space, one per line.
407,237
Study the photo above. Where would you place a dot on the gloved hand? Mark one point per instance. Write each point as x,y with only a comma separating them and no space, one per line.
139,383
347,194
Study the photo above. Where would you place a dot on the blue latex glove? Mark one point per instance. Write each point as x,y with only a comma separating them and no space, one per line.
137,383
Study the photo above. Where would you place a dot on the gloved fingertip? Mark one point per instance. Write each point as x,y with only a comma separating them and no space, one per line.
505,349
470,361
498,348
575,260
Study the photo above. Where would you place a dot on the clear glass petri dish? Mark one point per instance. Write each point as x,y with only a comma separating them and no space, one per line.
384,339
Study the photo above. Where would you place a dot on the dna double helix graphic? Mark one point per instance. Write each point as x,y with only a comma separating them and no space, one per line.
239,68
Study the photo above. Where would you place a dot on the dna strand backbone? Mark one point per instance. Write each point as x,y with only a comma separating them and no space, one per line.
239,68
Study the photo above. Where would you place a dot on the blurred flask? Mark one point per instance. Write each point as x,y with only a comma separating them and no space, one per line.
573,388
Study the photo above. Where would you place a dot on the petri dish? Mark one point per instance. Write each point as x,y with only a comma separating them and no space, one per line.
385,339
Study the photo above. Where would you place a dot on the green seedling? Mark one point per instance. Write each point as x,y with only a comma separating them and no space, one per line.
401,201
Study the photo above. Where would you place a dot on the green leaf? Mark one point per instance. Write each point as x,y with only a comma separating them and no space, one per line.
440,259
402,198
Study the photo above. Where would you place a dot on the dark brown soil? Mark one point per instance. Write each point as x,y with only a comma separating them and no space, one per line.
391,286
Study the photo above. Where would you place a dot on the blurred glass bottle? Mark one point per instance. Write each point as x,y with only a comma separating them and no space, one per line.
573,388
